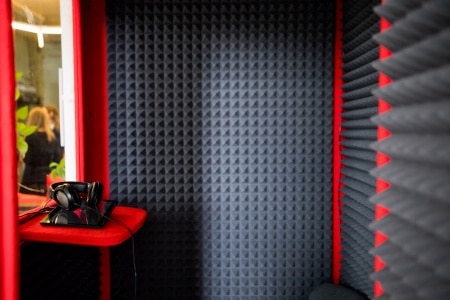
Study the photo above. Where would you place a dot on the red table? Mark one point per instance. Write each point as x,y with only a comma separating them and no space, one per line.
111,234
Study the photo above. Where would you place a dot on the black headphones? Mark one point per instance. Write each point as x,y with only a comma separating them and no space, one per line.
78,216
72,194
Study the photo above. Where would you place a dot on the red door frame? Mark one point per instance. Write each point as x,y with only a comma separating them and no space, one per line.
90,65
9,250
89,20
91,117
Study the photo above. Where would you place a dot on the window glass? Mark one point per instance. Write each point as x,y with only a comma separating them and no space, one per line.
37,41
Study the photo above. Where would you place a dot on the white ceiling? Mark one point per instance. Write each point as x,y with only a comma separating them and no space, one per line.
48,10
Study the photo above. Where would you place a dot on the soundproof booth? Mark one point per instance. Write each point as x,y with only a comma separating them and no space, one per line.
242,150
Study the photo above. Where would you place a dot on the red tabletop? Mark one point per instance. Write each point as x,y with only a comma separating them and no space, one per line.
111,234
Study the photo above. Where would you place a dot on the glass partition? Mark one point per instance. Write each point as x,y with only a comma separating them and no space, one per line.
44,85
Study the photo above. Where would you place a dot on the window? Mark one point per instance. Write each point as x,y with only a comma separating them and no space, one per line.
44,69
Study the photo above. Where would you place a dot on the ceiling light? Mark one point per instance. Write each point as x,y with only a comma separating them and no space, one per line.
40,30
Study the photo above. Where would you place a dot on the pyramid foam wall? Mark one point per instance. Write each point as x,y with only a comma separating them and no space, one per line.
58,271
417,227
220,126
360,51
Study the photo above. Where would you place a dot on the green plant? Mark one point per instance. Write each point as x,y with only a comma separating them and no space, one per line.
23,130
58,169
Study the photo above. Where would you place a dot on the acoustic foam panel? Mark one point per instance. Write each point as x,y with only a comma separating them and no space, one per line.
357,133
57,271
418,225
220,126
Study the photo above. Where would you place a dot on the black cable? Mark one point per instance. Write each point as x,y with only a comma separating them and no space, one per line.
29,215
40,191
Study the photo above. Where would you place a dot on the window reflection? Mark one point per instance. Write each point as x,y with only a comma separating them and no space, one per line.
37,61
43,149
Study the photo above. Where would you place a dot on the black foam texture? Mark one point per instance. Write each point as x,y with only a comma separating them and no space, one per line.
57,271
427,54
417,226
357,134
421,22
429,86
220,125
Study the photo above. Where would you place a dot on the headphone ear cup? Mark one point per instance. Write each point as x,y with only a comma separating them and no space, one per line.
94,195
66,196
65,217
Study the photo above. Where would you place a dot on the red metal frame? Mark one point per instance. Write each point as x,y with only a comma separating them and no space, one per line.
337,194
92,91
89,23
9,250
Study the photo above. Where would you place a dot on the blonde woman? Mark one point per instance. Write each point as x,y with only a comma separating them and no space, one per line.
53,115
43,148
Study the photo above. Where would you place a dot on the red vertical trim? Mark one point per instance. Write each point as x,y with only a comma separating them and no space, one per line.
336,259
105,269
9,249
381,185
78,87
92,107
94,89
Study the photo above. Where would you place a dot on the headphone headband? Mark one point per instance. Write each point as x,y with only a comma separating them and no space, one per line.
68,194
80,187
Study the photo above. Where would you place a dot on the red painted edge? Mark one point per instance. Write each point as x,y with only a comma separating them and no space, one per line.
337,106
382,159
9,250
